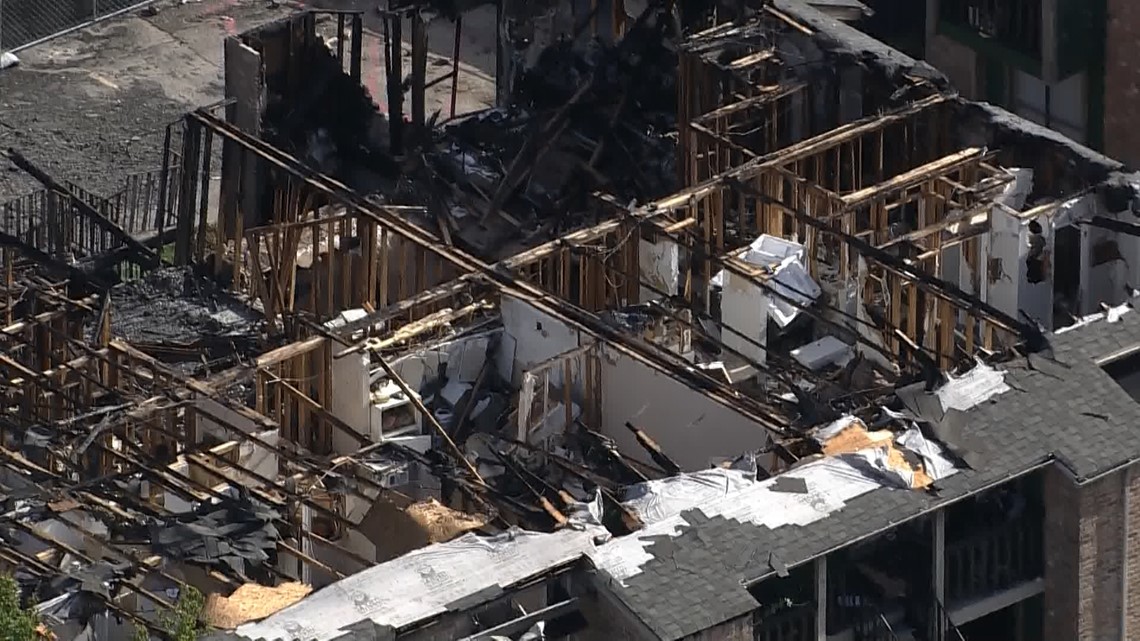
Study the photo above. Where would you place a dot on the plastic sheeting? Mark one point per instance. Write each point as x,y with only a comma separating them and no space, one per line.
1112,315
974,388
933,456
791,280
735,494
421,584
659,500
830,484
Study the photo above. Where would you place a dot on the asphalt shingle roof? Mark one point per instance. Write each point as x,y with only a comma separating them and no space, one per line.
1062,409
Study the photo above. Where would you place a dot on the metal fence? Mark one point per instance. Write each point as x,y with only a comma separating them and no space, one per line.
27,22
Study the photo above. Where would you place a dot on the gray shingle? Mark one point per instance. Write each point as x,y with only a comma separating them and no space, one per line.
1068,409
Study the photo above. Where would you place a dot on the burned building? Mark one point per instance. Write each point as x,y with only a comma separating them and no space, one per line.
728,322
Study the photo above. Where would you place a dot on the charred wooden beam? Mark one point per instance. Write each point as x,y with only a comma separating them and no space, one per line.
655,452
525,478
1119,226
58,266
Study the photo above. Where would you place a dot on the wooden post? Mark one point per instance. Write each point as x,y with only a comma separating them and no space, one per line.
419,69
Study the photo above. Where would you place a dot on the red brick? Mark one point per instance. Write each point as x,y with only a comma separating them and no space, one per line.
1122,82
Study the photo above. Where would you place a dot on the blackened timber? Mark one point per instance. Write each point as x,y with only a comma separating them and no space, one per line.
610,452
146,257
357,50
548,507
549,132
54,264
191,148
394,78
521,624
154,239
1119,226
419,69
459,425
659,457
653,355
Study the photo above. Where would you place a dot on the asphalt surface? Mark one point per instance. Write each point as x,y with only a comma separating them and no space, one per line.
92,107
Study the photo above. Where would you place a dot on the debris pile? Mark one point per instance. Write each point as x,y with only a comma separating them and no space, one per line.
252,602
173,312
580,120
236,536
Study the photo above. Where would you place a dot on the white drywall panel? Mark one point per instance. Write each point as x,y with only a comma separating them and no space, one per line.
537,336
660,267
744,309
350,399
690,427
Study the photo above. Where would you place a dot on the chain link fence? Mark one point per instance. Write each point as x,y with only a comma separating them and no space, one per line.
27,22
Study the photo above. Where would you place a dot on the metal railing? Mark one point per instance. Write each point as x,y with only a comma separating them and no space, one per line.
939,627
135,208
796,623
874,627
24,23
994,559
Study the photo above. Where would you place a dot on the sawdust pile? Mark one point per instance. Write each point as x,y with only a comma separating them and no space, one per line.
442,523
398,530
251,602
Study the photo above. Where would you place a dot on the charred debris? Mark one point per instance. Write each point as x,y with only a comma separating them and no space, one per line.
585,116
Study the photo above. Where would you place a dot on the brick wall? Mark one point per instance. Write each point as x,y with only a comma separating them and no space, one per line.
1132,558
1122,82
1062,535
957,61
1086,558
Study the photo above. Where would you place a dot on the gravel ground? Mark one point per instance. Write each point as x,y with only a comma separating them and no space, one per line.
96,148
91,107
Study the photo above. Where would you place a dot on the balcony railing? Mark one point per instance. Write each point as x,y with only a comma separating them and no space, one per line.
1015,24
937,625
796,623
874,627
994,559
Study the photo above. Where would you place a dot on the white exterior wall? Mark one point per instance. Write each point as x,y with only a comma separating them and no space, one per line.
744,308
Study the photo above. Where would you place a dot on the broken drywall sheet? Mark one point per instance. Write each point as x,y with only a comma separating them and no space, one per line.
1074,211
660,269
1112,315
743,312
537,336
934,459
1003,261
823,353
975,387
790,279
1016,193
